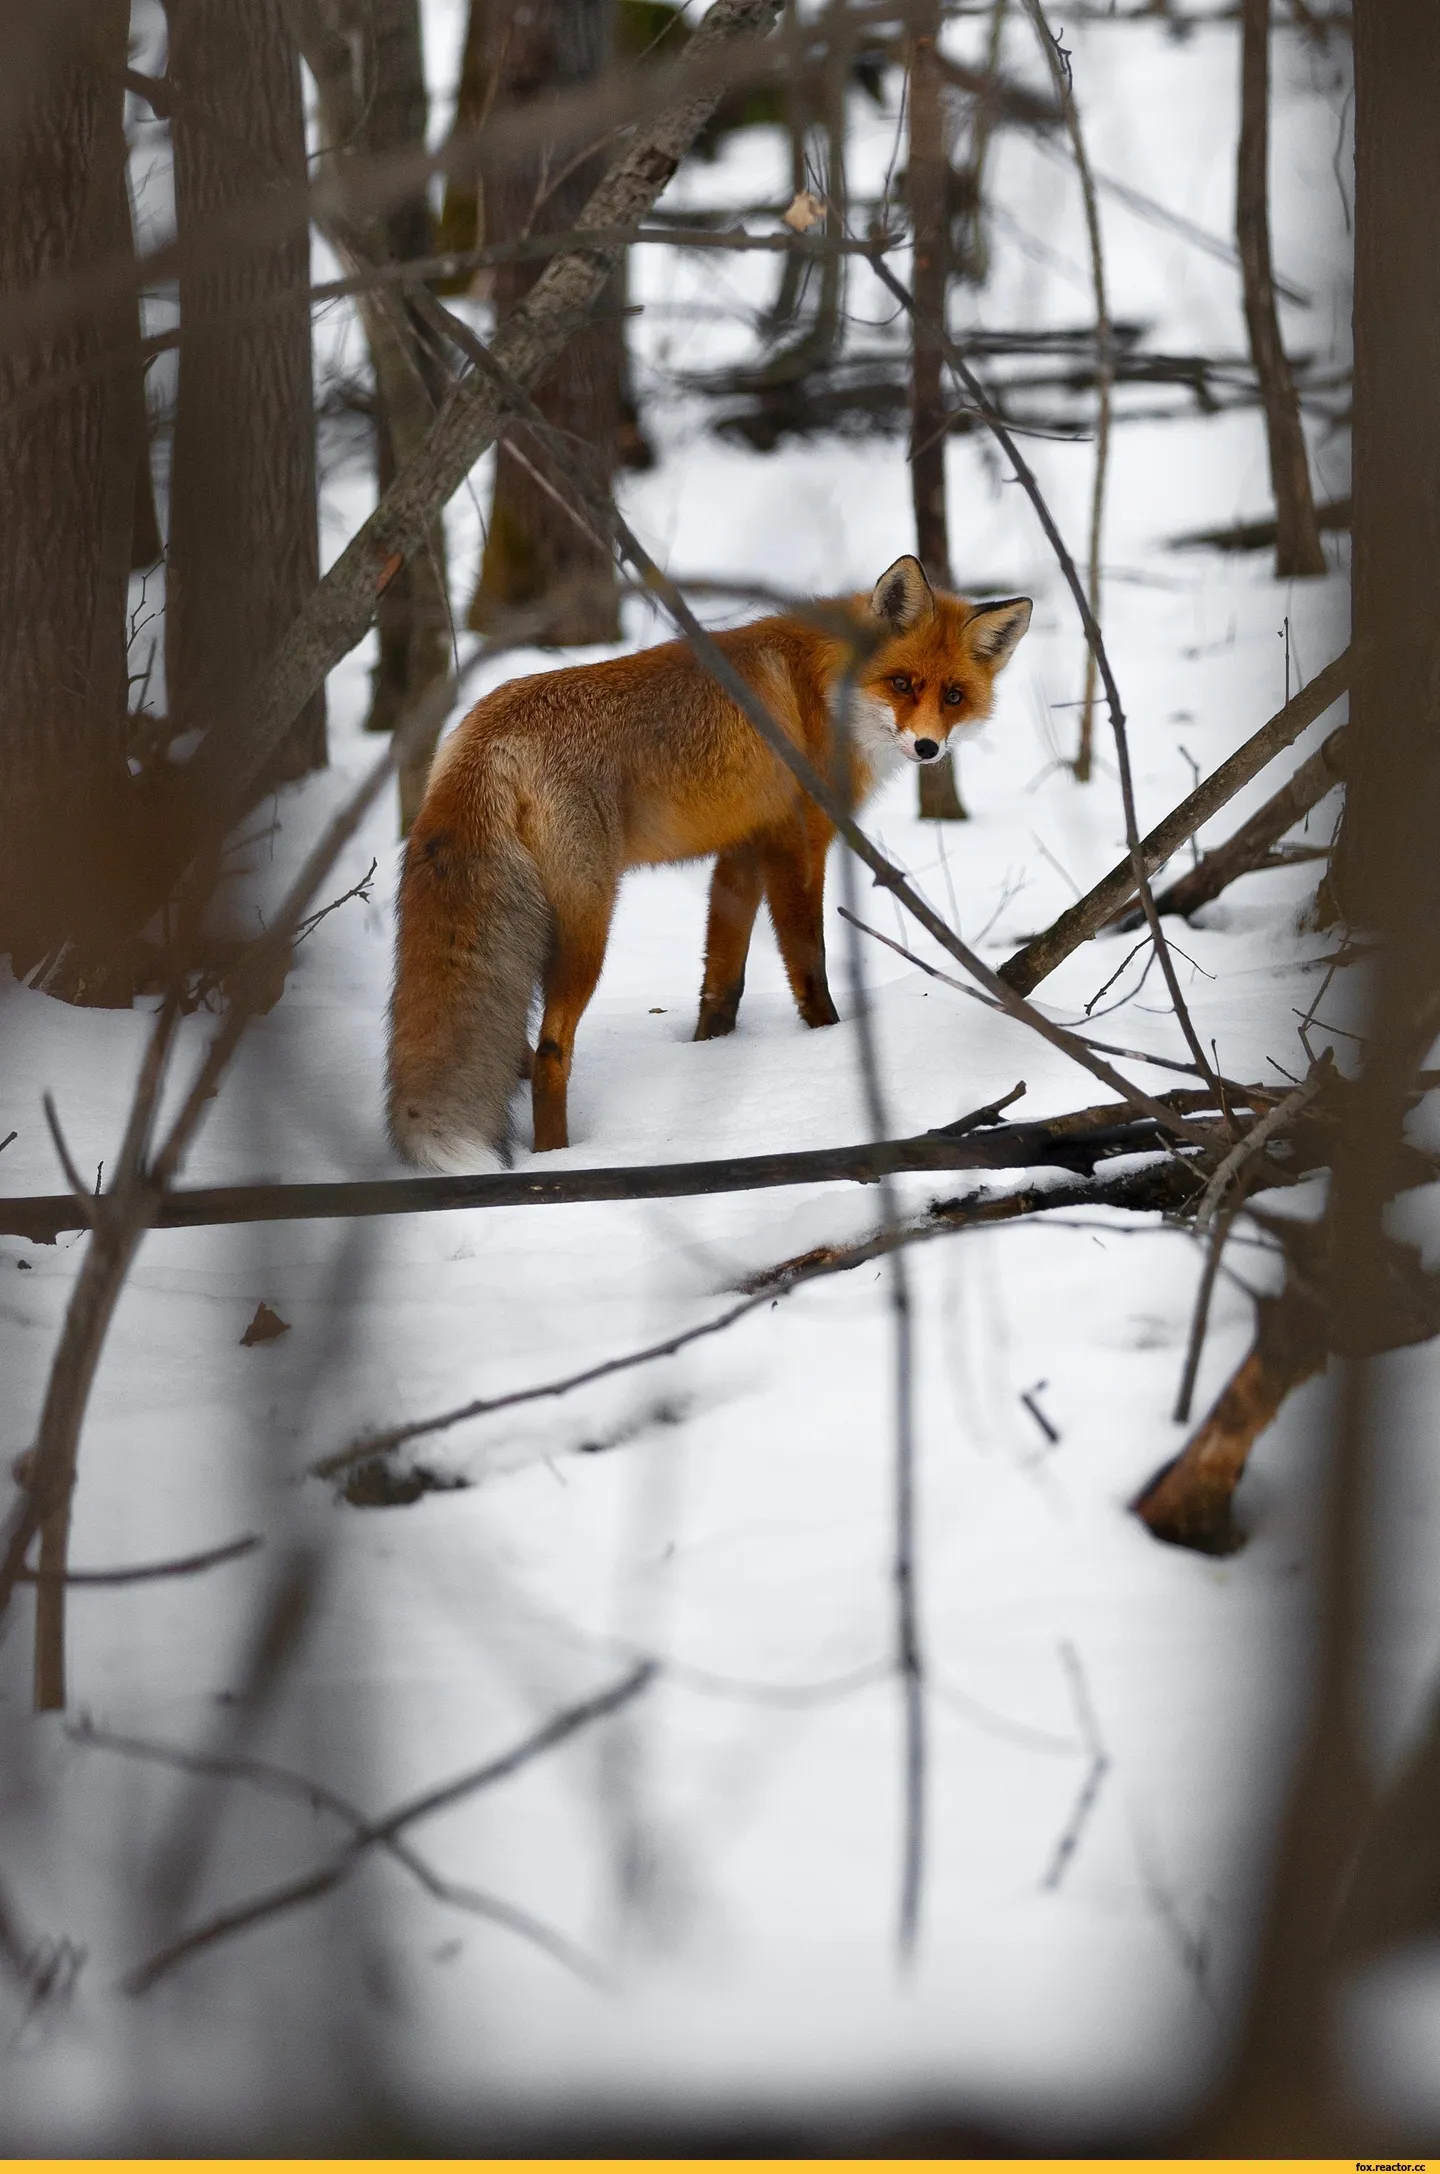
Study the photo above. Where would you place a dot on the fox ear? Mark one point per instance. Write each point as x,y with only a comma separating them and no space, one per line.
903,595
993,630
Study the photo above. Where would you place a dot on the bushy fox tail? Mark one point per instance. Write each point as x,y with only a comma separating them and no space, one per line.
475,930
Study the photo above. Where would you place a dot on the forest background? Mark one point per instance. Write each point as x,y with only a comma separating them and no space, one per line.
743,1631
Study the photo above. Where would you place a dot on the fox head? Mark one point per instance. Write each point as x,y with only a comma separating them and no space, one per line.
934,670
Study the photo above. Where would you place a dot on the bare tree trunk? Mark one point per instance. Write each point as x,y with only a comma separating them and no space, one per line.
243,557
928,185
1288,2072
68,484
367,59
534,550
1395,697
1297,542
970,241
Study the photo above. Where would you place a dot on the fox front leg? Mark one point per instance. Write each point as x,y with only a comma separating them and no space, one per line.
793,869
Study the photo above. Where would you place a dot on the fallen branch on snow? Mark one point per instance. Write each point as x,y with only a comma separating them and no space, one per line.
1072,1142
1031,964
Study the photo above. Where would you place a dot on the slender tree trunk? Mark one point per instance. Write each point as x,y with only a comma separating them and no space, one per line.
68,484
970,245
367,59
243,556
929,186
1297,543
534,550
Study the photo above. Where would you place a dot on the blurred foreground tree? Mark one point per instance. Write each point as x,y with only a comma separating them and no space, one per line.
243,546
1359,1865
72,463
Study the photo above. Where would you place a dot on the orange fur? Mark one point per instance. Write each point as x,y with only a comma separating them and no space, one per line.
553,786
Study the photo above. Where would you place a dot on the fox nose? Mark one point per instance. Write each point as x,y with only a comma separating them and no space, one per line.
927,750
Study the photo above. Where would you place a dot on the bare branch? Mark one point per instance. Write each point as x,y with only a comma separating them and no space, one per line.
381,1833
282,1781
1109,897
182,1566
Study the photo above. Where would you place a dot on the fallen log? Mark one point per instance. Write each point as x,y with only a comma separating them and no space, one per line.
1074,1142
1216,870
1155,1187
1334,515
1030,965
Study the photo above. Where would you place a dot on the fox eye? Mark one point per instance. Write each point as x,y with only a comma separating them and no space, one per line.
900,683
954,696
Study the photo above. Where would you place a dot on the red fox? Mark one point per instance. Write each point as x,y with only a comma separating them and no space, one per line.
553,786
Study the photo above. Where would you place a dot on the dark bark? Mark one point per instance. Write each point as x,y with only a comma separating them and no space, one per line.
69,487
927,181
1297,545
367,59
534,550
243,546
1289,2078
1395,704
1080,1142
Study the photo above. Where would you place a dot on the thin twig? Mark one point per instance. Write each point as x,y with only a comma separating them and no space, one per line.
1199,1320
282,1781
771,1285
1247,1148
182,1566
381,1833
1025,475
1099,1767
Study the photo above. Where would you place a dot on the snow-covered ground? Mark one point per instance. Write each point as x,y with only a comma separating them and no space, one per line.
1107,1719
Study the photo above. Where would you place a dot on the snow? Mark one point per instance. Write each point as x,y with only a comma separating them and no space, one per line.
726,1848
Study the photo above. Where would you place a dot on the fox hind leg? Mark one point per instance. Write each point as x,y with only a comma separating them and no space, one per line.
582,930
734,902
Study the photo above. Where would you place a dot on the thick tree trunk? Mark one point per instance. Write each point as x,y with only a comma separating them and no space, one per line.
1290,2070
68,484
1297,544
929,184
1395,697
243,546
534,550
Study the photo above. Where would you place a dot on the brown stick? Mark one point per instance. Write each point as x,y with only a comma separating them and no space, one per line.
1163,1185
1208,878
1007,1147
1298,549
1079,922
